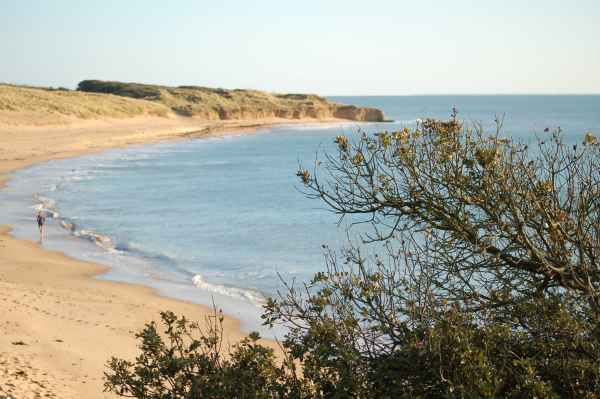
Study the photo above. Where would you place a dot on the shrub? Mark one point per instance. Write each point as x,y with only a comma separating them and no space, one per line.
488,284
187,361
134,90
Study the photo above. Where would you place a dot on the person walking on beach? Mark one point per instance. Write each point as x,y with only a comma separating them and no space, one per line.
41,220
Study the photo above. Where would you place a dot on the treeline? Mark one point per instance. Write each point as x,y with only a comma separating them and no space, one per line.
134,90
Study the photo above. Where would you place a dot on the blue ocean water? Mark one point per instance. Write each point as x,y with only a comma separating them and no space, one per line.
224,219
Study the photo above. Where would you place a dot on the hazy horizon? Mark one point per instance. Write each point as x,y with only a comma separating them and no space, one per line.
332,49
25,84
74,87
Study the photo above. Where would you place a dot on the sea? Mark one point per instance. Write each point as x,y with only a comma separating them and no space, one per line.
224,221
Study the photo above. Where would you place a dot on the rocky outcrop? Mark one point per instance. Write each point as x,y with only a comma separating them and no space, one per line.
358,114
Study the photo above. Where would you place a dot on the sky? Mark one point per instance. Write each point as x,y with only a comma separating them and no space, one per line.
328,47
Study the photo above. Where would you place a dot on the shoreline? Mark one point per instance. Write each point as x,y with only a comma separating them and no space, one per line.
125,134
30,273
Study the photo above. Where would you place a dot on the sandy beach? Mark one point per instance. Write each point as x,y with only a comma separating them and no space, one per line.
59,324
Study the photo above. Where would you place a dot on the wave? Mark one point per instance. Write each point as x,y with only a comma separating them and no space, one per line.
48,206
67,226
98,239
128,247
79,178
110,166
109,245
233,292
52,187
138,250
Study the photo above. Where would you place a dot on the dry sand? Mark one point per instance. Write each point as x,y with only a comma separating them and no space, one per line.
59,325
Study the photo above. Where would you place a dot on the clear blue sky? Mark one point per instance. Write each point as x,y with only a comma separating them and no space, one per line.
323,46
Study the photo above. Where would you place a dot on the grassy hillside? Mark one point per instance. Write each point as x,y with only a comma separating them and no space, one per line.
20,104
208,103
99,99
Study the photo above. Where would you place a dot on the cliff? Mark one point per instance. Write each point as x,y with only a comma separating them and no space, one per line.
221,104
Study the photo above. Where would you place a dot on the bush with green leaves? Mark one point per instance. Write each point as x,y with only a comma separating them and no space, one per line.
479,275
187,360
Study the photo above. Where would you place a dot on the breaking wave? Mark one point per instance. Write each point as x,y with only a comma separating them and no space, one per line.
234,292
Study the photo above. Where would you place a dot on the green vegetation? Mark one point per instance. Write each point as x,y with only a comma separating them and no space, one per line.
186,361
486,285
134,90
215,104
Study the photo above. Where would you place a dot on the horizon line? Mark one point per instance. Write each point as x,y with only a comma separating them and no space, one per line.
347,95
461,94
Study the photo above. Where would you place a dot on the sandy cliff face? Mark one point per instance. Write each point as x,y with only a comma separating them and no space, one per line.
297,111
222,104
101,100
358,114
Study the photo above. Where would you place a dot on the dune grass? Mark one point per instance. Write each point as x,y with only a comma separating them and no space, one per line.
217,103
96,99
19,104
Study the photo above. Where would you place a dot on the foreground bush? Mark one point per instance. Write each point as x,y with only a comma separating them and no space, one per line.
487,281
187,360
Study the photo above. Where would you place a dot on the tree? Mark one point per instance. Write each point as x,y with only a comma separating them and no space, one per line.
478,276
489,284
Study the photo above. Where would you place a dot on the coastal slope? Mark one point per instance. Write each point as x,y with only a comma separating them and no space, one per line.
222,104
42,106
98,100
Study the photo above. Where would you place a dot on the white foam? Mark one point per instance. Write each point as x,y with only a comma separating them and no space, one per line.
67,226
79,178
98,239
52,187
111,166
45,202
238,293
46,206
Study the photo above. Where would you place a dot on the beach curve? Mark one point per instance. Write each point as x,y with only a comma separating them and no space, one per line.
61,324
